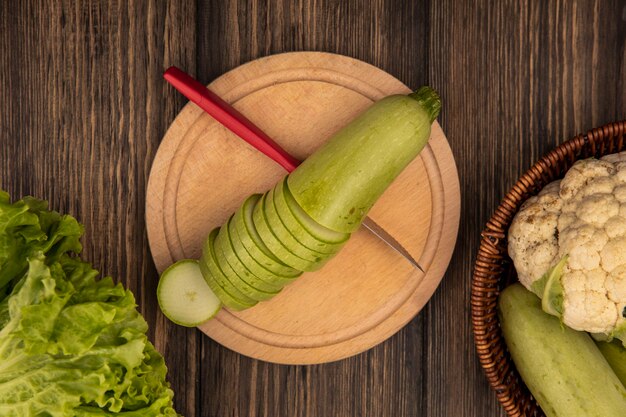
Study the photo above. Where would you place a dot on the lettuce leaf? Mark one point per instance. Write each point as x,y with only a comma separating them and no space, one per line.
71,344
28,227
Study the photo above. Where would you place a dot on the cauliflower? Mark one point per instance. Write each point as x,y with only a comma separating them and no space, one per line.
568,245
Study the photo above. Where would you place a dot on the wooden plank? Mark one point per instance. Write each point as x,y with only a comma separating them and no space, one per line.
85,110
389,34
516,79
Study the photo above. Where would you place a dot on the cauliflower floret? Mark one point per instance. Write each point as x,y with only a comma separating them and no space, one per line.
581,173
621,172
586,305
589,311
616,285
600,185
596,209
613,253
620,192
538,218
585,301
583,245
566,220
574,281
615,226
583,218
615,158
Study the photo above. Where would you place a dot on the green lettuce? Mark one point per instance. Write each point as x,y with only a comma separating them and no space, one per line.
71,344
28,227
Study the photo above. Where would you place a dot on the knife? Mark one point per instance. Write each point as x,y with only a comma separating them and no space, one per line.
237,123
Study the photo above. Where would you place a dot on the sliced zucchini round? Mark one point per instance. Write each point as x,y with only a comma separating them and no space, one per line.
317,230
184,296
283,234
214,276
275,246
254,244
251,263
295,227
221,246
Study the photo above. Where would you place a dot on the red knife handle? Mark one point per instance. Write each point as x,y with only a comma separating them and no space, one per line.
229,117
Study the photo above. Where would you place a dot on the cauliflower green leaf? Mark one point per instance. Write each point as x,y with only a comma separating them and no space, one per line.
550,289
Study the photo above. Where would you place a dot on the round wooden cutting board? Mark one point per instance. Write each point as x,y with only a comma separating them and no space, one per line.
202,173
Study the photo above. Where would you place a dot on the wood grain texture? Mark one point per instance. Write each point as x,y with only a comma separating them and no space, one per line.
84,109
516,78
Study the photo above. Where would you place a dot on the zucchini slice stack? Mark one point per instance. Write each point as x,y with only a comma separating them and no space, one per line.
308,216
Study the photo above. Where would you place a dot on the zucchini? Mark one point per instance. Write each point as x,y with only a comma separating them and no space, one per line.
226,299
304,220
248,291
340,182
253,243
563,368
315,229
214,276
237,274
183,295
283,234
274,245
250,263
615,355
295,227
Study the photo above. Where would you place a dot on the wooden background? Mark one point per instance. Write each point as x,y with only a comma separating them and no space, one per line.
84,108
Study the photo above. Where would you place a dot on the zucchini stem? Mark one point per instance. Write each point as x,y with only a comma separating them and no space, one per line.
430,101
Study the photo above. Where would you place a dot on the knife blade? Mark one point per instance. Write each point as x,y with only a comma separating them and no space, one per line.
383,235
241,126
